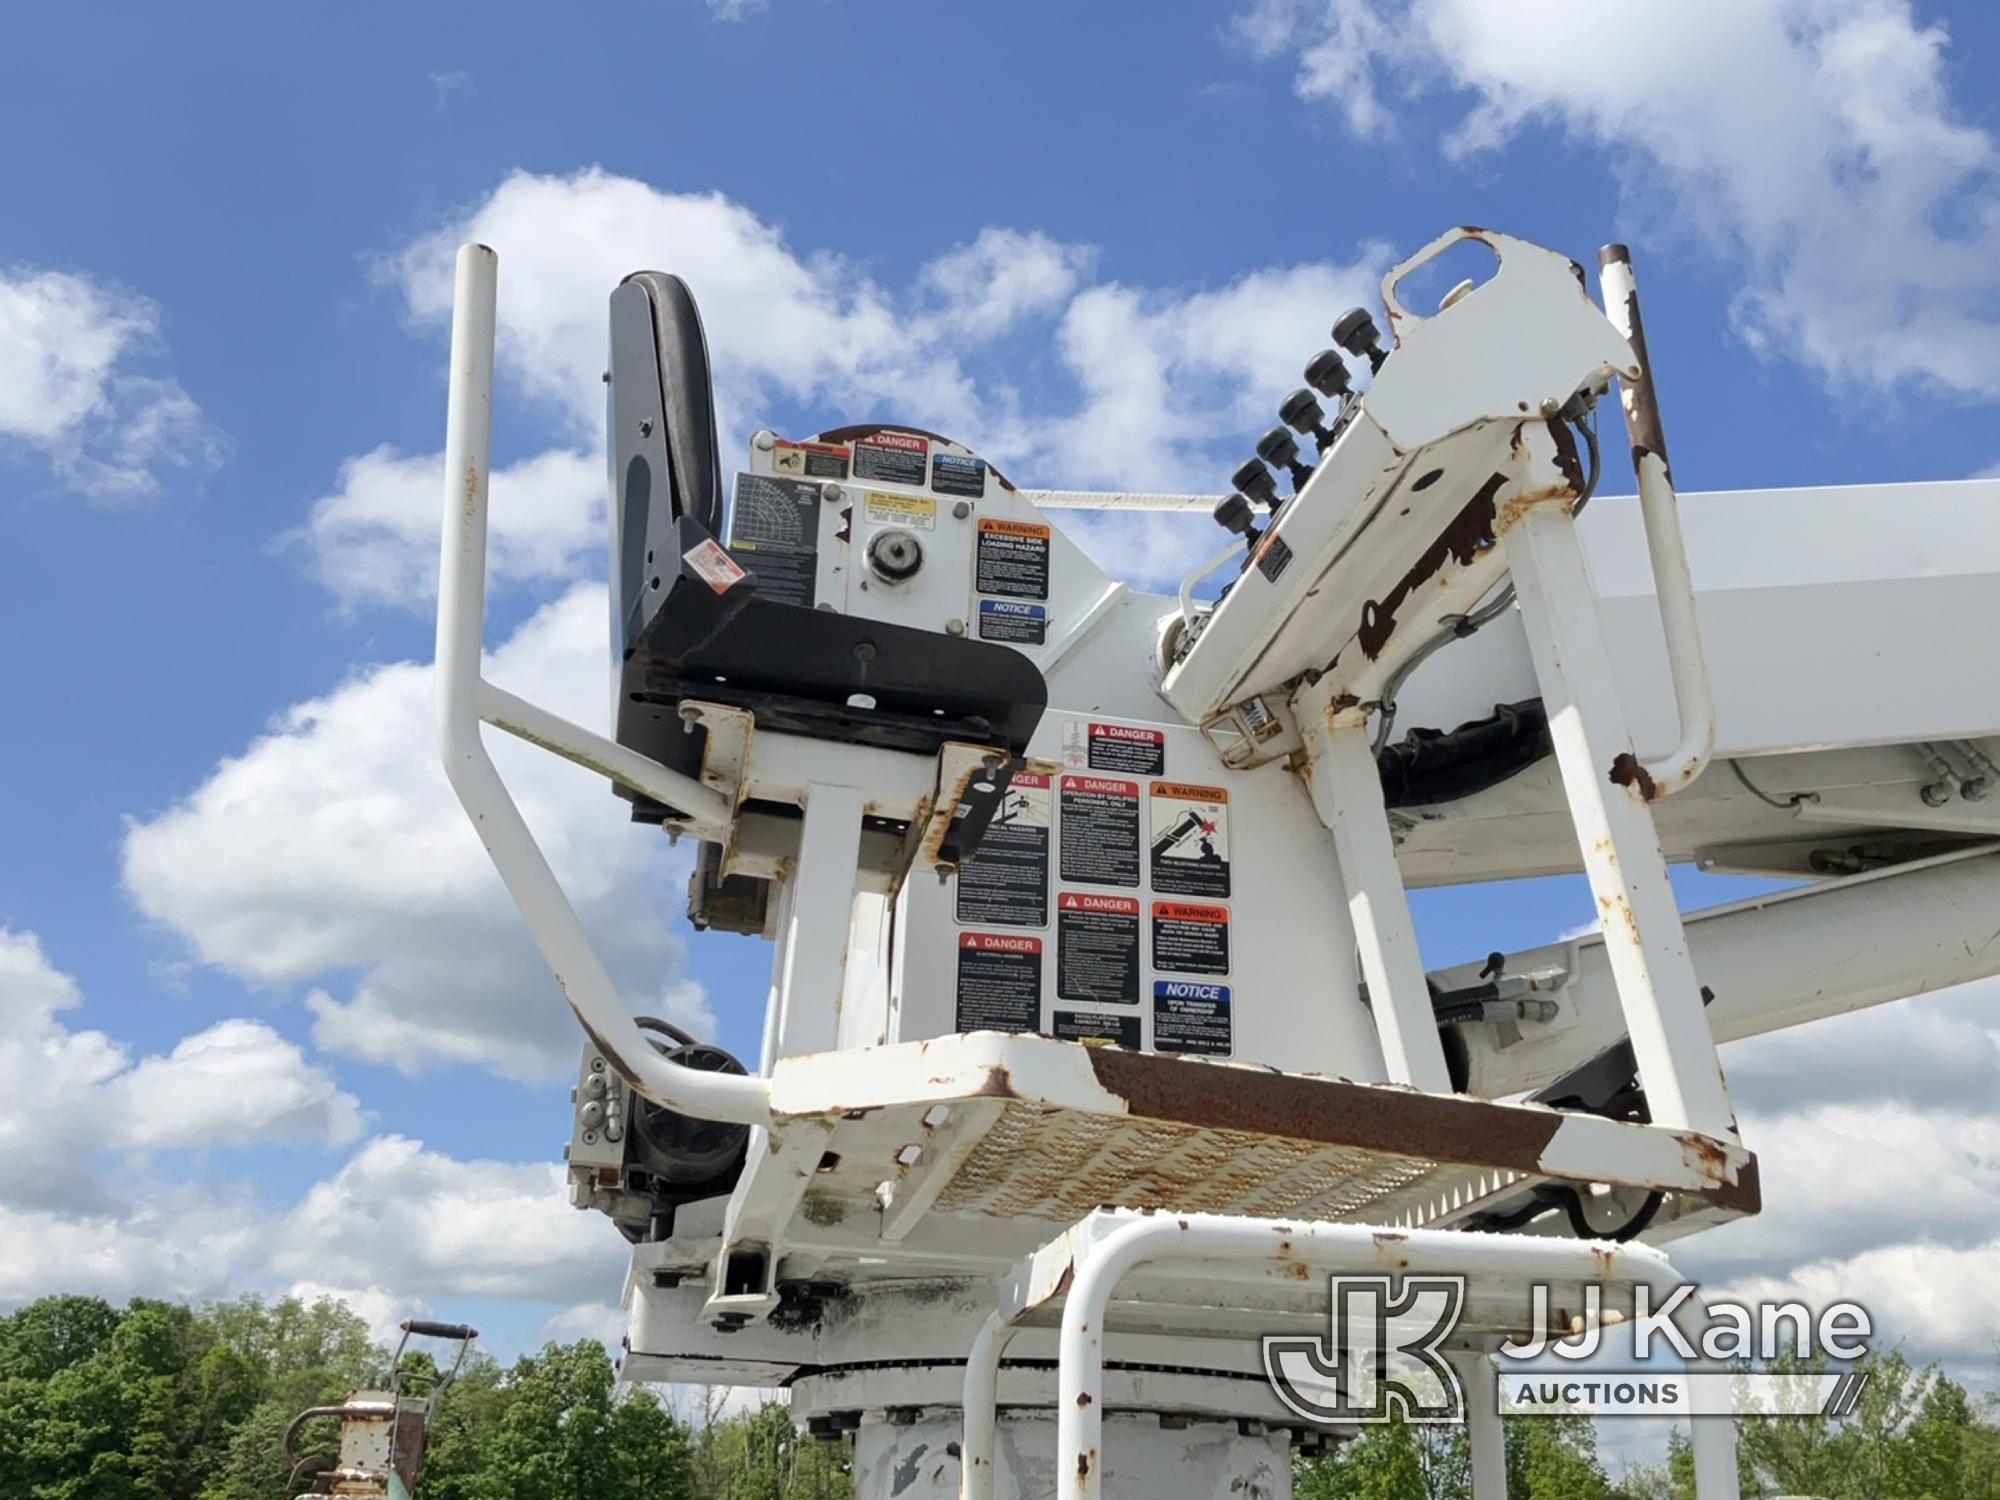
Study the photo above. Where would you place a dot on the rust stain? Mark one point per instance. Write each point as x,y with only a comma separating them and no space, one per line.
1628,773
1465,537
997,1084
1082,1398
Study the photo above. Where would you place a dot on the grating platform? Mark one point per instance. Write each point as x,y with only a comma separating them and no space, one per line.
963,1152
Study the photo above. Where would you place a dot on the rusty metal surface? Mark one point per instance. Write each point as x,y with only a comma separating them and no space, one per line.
1642,402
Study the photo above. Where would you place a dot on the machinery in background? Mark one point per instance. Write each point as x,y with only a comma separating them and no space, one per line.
1096,1030
382,1433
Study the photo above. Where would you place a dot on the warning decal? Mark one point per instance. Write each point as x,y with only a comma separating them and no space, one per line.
1189,938
713,566
1097,948
810,460
916,511
1273,557
964,477
774,529
999,982
1015,623
1100,831
894,457
1190,839
1120,747
1191,1017
1007,880
1098,1026
1013,559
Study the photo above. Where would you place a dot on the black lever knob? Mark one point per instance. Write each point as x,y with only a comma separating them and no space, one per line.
1327,374
1233,513
1357,334
1280,450
1302,413
1254,480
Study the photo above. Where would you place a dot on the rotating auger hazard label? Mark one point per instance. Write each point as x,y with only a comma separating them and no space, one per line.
1190,839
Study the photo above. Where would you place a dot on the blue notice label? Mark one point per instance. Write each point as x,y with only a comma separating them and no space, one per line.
1191,1017
1013,622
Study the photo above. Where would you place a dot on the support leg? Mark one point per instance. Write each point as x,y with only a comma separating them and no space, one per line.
1483,1430
1643,939
1347,794
1712,1435
817,920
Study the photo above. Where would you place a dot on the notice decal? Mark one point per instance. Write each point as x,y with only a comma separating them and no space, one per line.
1190,1017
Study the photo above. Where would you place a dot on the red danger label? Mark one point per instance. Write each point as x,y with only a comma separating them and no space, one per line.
908,442
995,942
1100,786
1028,779
1116,906
1127,732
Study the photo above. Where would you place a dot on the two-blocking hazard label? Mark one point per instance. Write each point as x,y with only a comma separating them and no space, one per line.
1007,879
1097,947
999,982
1190,937
1189,1017
1189,828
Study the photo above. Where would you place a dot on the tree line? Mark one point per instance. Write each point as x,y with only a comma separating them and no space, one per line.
160,1401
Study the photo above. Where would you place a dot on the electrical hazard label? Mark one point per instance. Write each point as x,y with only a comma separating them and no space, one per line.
1189,938
1012,558
1100,831
1099,1026
774,529
1014,623
1124,747
918,512
1097,948
810,460
892,457
1190,839
999,982
1191,1018
1007,880
953,475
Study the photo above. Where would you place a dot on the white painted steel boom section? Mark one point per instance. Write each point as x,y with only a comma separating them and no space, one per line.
463,700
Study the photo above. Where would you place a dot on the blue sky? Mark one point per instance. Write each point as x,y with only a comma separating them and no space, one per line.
1095,242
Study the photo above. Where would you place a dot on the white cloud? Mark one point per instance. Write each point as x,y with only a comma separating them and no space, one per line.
66,1095
1813,145
374,539
737,10
333,845
1156,388
67,390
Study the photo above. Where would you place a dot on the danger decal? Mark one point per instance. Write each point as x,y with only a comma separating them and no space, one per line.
1097,948
999,982
1099,819
892,457
1007,880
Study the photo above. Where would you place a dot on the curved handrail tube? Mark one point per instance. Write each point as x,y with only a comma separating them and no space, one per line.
461,698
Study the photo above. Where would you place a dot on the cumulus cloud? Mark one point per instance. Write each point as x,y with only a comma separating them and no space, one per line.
69,393
67,1095
1813,145
1152,387
334,846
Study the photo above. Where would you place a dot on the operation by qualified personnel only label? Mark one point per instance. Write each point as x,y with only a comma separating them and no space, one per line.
1007,880
1099,831
1190,1017
999,982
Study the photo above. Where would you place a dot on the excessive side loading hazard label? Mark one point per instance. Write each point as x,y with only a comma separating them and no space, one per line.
1097,948
1007,880
1012,559
1190,937
1189,833
999,982
1099,825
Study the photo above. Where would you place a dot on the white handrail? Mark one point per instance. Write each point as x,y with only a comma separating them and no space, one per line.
463,699
1673,583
